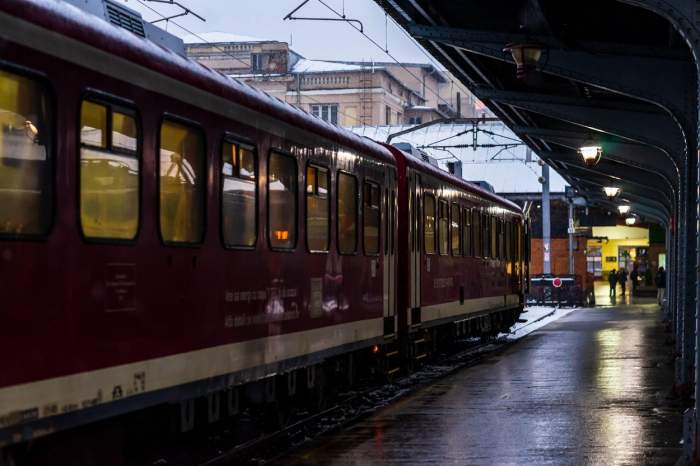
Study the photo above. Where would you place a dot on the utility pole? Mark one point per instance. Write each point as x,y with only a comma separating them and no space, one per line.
546,227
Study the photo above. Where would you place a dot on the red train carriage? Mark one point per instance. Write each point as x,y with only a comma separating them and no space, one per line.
461,267
167,233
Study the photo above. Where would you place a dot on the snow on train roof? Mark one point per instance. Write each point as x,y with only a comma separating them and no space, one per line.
505,169
63,18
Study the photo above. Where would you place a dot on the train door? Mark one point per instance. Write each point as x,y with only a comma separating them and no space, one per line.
389,269
415,207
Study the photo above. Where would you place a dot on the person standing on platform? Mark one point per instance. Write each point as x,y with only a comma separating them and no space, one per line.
612,279
660,285
634,276
622,278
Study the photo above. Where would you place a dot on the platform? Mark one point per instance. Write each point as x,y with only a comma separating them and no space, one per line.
591,388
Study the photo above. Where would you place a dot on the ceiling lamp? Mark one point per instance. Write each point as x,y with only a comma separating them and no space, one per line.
630,220
611,191
591,154
624,209
526,57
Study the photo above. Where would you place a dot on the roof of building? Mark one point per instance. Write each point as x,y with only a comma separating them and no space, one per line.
505,169
321,66
218,37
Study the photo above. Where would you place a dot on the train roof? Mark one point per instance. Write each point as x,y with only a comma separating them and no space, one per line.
425,167
70,21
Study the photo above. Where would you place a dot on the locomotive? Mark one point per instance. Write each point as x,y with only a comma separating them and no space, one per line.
169,234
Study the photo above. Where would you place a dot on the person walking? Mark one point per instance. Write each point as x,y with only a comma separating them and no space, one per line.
660,285
612,279
622,278
634,276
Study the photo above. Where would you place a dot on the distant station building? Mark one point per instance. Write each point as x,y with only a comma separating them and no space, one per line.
346,93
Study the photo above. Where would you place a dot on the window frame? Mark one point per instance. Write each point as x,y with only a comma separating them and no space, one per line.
435,224
127,107
373,184
194,125
312,163
356,252
283,153
232,138
52,128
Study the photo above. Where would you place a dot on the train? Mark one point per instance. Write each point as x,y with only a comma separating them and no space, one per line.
169,234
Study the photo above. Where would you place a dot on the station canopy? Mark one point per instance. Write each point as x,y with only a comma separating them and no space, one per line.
593,73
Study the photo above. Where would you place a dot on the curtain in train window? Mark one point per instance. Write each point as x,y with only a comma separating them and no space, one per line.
182,183
455,223
25,169
282,201
238,195
467,232
429,223
347,213
372,218
109,172
317,205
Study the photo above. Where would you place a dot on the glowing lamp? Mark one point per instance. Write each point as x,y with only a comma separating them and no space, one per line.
623,209
281,235
611,191
630,220
526,57
590,154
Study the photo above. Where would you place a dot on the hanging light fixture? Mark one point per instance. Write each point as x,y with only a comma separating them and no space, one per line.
611,191
526,57
591,153
630,220
624,209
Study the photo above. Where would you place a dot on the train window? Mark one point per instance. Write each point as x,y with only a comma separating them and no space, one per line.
109,172
455,228
466,232
371,214
25,166
182,183
494,237
443,227
476,232
429,236
238,195
317,208
282,201
486,238
347,213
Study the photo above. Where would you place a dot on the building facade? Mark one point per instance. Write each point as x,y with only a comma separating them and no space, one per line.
346,93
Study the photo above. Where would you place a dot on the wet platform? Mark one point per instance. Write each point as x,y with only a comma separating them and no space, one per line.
591,388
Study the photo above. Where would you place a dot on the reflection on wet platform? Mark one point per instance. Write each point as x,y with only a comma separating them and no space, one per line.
588,389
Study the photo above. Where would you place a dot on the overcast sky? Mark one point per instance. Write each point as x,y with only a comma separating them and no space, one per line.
312,39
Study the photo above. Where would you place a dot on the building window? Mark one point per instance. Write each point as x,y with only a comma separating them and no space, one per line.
326,112
415,120
238,195
317,207
282,200
455,228
25,168
182,183
347,213
372,218
387,115
429,236
109,172
443,227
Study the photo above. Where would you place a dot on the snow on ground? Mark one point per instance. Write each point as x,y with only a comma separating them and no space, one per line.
537,317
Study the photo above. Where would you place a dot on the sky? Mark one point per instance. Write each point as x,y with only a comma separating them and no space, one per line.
313,39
